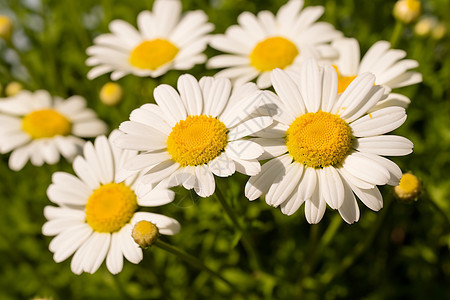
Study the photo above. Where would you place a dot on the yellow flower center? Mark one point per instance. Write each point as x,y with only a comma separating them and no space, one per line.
153,54
272,53
409,188
45,123
145,233
197,140
318,139
110,207
343,81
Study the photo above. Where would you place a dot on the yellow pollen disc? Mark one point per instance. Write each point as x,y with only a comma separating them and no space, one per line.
153,54
197,140
318,139
272,53
343,81
409,187
145,233
45,123
110,207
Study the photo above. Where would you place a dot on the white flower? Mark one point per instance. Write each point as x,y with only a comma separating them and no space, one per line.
196,132
264,42
165,40
388,65
39,128
326,148
97,211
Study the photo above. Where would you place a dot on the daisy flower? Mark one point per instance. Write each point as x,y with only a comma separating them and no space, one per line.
325,148
37,127
164,40
388,65
197,132
262,43
96,211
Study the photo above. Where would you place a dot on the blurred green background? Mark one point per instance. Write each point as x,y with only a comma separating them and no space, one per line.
401,252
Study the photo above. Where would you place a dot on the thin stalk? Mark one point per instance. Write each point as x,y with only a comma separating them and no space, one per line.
396,33
191,260
349,260
253,256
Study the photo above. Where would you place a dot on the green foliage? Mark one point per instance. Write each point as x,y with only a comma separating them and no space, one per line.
401,252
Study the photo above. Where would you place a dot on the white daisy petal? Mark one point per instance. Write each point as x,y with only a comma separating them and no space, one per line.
67,242
360,166
280,191
288,91
114,259
272,147
85,173
290,206
331,187
310,86
19,158
170,103
165,224
249,167
217,98
354,180
308,184
315,207
249,127
272,171
329,88
145,160
390,145
129,248
394,170
379,122
160,171
349,209
150,115
156,197
244,149
222,166
190,94
205,184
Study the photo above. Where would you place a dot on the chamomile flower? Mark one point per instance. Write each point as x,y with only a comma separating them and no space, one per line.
37,127
96,210
164,40
325,148
262,43
196,132
388,65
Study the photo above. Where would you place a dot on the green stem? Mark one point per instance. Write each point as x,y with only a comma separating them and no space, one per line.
348,261
253,256
396,33
438,209
123,293
191,260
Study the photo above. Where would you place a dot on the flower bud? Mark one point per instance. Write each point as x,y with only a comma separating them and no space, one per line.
425,26
5,27
407,11
13,88
409,188
439,31
111,93
145,233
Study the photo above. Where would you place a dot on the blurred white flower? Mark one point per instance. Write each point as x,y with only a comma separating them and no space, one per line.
97,211
262,43
165,40
38,127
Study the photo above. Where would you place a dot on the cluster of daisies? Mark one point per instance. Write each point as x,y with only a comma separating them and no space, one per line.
317,138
